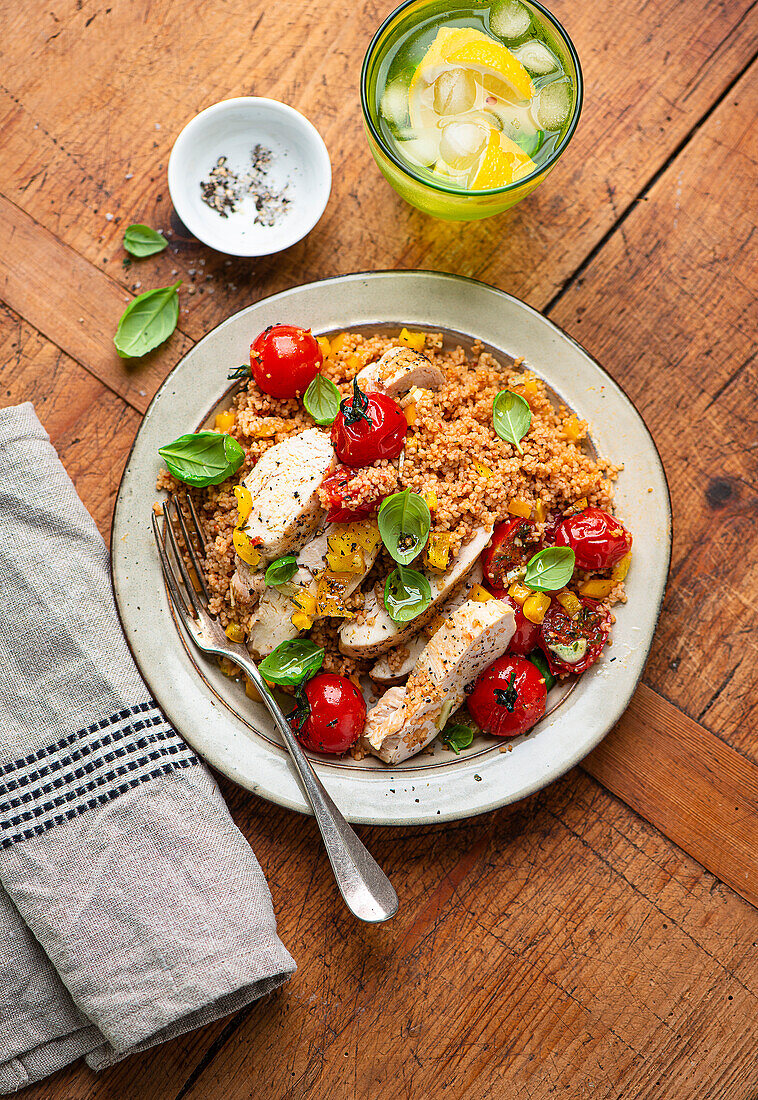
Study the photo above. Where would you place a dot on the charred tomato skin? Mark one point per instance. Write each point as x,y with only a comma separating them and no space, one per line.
592,623
376,434
336,714
512,545
333,486
284,360
508,698
597,538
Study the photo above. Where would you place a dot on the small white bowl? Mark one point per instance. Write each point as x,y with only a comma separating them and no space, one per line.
231,129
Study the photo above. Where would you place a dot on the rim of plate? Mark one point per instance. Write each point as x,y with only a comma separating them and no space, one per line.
410,793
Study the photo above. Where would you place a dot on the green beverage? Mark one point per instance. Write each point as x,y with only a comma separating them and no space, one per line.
469,104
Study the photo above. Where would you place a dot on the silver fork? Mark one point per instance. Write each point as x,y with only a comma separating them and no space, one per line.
365,888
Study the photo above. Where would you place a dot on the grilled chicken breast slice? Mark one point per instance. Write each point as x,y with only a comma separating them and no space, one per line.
271,624
398,370
406,719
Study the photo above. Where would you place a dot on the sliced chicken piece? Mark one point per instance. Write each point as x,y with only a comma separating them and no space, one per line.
407,719
272,623
246,585
284,486
312,560
377,633
398,370
398,663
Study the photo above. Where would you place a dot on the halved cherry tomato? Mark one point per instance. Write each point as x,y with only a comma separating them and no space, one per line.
512,544
572,645
336,714
284,360
339,511
597,539
508,697
369,426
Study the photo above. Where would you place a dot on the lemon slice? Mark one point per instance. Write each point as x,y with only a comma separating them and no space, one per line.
503,162
489,55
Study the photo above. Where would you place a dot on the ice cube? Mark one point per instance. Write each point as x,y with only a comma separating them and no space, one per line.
394,103
509,19
553,105
454,92
420,146
535,57
462,144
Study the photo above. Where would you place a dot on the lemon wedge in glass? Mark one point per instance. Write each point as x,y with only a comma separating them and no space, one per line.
503,162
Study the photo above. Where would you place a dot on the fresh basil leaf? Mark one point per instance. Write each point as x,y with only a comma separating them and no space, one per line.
406,594
539,660
550,569
203,458
147,321
404,523
292,662
322,400
141,241
511,417
281,570
457,736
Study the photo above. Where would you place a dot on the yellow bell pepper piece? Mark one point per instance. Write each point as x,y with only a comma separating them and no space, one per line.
305,601
252,691
596,589
520,508
621,568
437,553
330,594
225,421
481,469
581,504
363,533
337,343
245,548
235,633
229,668
326,347
479,594
244,504
301,621
267,427
535,607
574,429
431,500
570,602
413,340
519,592
540,512
531,387
350,561
411,416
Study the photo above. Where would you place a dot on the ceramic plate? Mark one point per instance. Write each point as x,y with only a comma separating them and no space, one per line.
232,732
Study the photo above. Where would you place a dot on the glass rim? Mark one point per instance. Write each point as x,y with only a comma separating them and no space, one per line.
444,188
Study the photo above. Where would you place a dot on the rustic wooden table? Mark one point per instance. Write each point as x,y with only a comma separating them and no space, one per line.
600,938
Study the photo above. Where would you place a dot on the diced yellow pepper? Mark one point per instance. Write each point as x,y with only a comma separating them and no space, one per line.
621,568
351,561
301,621
540,512
581,504
437,553
305,601
326,347
330,594
531,387
266,427
574,429
596,589
353,362
363,533
411,416
244,504
481,469
225,421
338,342
245,548
535,607
570,602
431,500
229,668
413,340
479,594
519,592
252,691
520,508
235,633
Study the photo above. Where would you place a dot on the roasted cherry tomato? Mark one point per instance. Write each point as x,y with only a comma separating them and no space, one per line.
369,426
336,714
340,509
508,697
597,539
572,645
512,544
284,360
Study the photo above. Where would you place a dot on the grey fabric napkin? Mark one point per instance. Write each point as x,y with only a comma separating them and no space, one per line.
131,907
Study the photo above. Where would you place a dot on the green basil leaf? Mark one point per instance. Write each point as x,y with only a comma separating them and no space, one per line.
550,569
147,321
511,417
141,241
457,736
281,570
292,662
539,660
406,594
203,458
322,400
404,523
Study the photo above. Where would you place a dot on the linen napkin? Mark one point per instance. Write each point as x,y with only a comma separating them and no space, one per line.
131,907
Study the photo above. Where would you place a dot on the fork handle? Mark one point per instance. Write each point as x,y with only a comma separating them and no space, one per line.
367,892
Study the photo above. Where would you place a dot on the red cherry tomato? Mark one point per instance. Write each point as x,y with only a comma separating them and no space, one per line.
369,426
508,697
572,645
284,360
527,634
597,539
512,544
336,714
340,510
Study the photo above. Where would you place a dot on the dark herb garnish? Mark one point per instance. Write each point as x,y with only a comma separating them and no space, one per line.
354,409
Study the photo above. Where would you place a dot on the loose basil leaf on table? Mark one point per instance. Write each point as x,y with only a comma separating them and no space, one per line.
322,400
550,569
142,241
281,570
404,523
203,458
539,660
457,736
292,662
511,417
406,594
147,321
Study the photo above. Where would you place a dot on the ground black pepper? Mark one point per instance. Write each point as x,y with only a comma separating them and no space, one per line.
224,189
